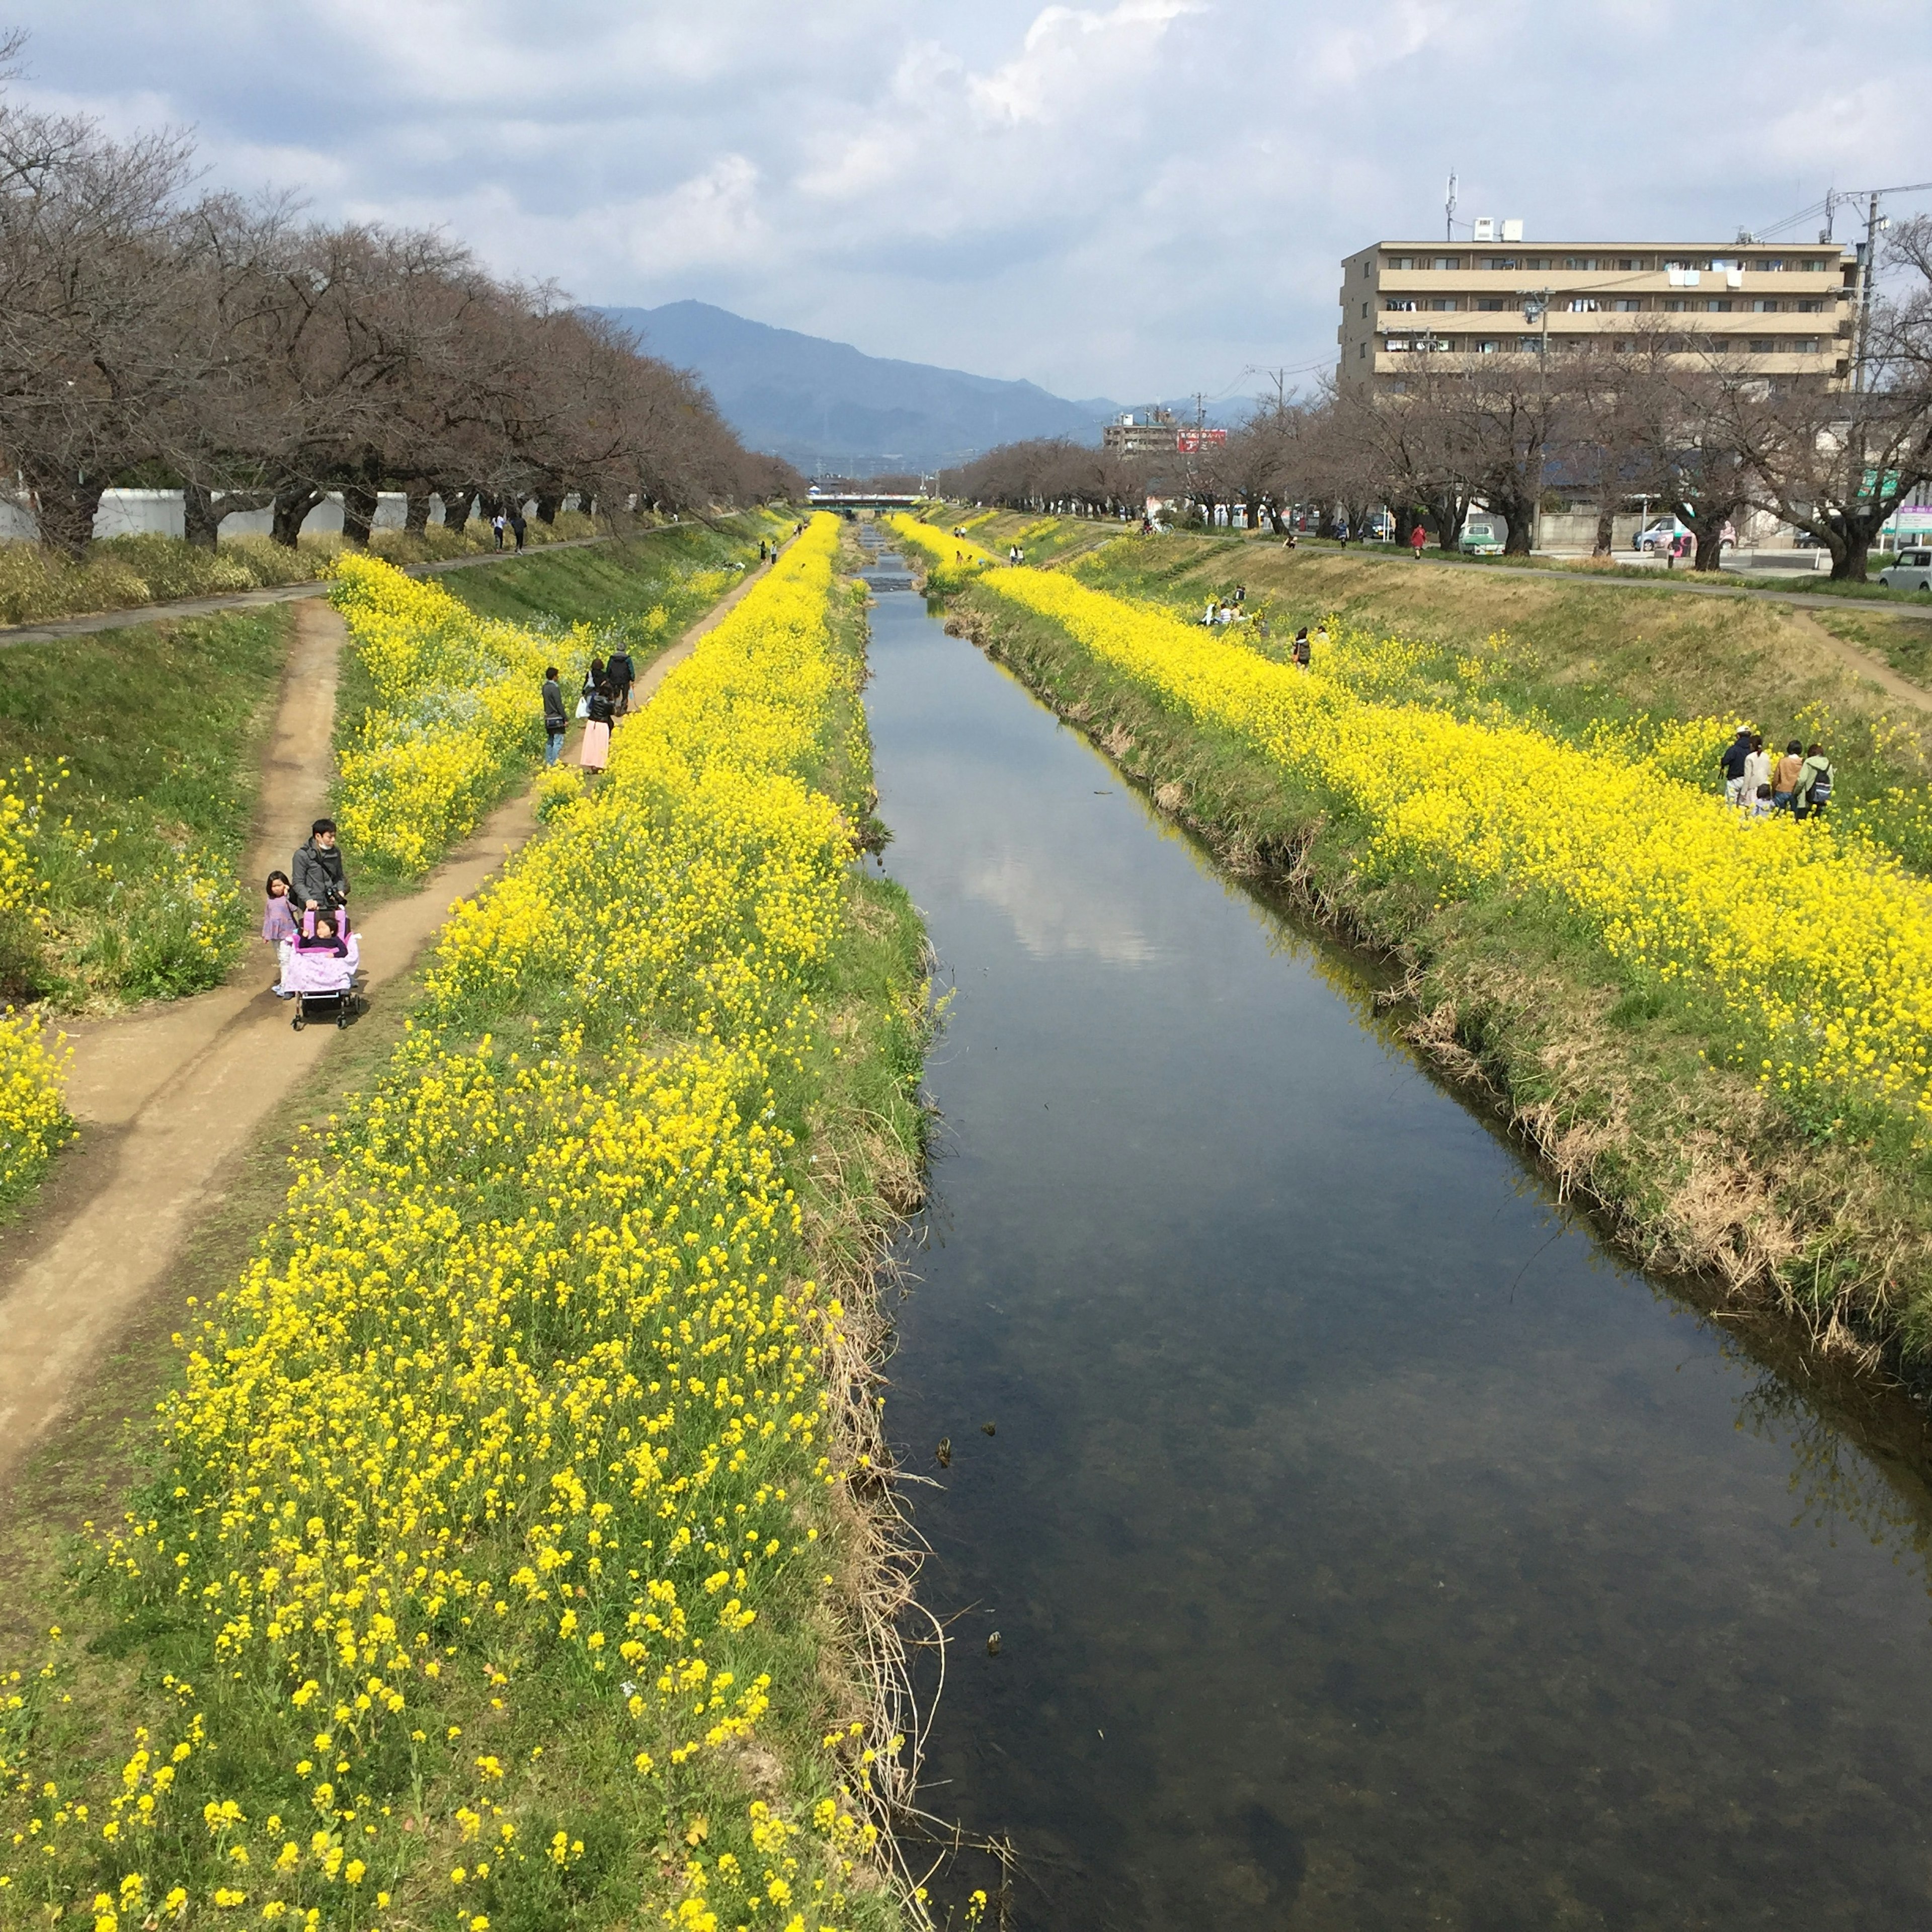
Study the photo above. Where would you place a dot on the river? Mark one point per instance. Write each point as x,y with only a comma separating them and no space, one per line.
1367,1547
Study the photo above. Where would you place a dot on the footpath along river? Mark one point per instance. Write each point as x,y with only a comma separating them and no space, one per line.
1367,1548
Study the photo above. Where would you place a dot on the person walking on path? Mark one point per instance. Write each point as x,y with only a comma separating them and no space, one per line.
1757,773
594,754
518,525
1814,784
620,674
1418,537
1735,755
556,723
496,523
1784,778
319,883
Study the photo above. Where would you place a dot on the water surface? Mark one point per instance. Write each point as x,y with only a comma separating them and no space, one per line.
1367,1549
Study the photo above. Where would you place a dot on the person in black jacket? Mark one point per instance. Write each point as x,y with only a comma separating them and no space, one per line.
620,674
320,883
556,723
1737,755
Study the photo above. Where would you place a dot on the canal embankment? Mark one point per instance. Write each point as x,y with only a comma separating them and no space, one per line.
1641,1089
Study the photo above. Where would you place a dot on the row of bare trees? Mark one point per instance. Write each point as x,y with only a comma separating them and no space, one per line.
1708,436
150,334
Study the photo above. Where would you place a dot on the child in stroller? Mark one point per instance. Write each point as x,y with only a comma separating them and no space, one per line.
322,972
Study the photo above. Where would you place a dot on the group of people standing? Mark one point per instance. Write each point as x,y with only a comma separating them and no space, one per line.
605,698
1757,782
512,520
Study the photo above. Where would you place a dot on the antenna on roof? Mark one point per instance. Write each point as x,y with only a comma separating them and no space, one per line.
1449,210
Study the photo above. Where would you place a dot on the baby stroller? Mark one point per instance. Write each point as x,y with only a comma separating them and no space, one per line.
324,984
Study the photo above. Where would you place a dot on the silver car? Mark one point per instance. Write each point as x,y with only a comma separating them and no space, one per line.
1911,570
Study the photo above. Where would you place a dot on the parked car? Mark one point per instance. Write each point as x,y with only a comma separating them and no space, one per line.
1482,536
1667,530
1911,570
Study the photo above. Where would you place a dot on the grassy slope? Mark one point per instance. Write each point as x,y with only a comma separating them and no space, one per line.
123,573
161,726
1697,1169
859,1172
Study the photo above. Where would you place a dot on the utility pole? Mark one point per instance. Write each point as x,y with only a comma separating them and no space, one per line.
1867,268
1536,308
1449,210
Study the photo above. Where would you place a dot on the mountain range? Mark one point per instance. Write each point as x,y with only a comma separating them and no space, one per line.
831,409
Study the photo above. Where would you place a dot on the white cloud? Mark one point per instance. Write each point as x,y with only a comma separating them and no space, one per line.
1135,200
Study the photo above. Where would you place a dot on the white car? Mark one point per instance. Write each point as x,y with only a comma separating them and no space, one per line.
1913,570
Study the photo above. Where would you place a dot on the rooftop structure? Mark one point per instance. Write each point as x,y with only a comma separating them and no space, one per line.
1778,309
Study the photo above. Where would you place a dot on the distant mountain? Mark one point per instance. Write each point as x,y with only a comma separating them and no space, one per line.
826,406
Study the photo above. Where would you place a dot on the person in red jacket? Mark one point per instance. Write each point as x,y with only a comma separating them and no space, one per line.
1418,537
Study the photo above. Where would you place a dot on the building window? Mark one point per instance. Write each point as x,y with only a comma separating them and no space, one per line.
1494,262
1721,305
1764,345
1718,343
1367,268
1531,345
1628,305
1814,268
1396,301
1448,261
1445,302
1807,345
1361,349
1674,303
1584,305
1765,305
1633,261
1773,266
1492,302
1810,306
1488,346
1623,345
1536,262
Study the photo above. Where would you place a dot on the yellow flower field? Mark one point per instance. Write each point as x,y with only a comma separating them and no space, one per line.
1816,947
489,1526
457,708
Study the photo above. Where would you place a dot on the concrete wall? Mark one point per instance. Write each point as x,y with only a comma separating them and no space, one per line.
127,513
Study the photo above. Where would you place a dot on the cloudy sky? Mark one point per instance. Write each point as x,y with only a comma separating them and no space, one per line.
1131,200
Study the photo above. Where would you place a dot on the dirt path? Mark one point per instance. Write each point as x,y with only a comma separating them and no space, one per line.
1866,664
169,1098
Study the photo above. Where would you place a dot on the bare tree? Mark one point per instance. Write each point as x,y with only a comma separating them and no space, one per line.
91,292
1837,463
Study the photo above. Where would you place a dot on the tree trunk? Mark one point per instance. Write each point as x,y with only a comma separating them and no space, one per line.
458,501
1325,524
65,504
548,504
1606,527
291,509
1849,554
415,518
359,513
201,522
1520,519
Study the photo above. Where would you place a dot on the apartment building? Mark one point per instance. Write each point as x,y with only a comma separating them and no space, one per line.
1780,309
1154,433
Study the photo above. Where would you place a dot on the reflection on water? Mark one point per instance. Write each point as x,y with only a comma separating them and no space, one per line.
1368,1549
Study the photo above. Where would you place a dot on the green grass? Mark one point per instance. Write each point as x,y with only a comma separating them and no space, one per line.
614,581
160,727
